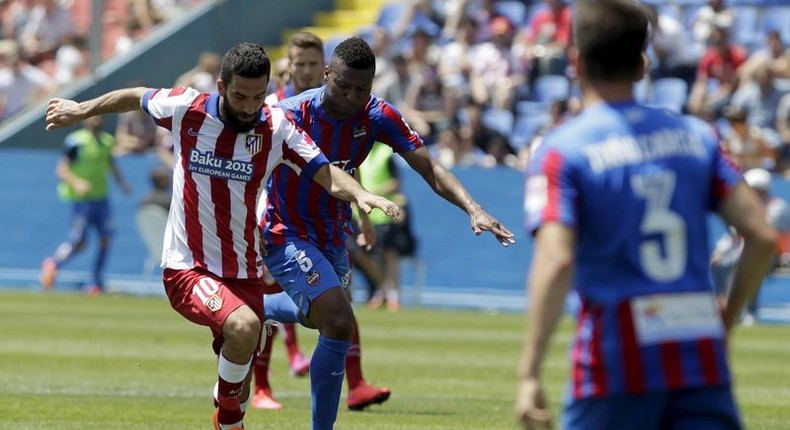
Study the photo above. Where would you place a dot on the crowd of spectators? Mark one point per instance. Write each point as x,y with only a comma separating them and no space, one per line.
482,80
45,42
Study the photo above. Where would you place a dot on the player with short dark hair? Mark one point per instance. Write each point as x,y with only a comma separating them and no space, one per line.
225,146
307,254
618,200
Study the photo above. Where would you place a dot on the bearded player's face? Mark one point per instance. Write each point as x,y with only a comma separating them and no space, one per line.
242,100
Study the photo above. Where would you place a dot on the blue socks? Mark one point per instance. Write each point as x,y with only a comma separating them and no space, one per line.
280,307
327,367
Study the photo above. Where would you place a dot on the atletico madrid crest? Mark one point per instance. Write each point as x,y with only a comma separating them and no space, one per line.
254,143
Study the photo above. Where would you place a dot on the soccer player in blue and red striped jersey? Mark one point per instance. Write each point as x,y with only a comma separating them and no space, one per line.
618,200
306,69
306,229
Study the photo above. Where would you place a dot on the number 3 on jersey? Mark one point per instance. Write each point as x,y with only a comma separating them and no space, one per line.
657,190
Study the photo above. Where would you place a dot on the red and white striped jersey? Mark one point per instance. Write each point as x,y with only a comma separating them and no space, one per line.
218,176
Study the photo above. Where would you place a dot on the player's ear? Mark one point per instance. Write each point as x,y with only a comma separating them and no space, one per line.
644,66
326,73
574,60
220,86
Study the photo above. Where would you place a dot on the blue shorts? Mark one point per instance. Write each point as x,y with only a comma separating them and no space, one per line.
91,213
709,408
305,272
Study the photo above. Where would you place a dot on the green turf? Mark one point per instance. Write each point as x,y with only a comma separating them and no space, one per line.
117,362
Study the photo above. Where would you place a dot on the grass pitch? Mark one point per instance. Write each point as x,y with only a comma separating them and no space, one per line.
119,362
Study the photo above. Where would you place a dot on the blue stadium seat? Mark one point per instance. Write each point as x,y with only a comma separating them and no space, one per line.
776,18
642,90
744,29
390,15
669,93
499,120
530,107
514,10
330,45
526,126
548,88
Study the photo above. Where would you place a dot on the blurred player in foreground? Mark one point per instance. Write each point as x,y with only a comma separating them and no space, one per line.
618,199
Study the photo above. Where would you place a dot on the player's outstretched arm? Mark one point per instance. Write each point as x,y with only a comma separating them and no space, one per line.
550,278
743,210
343,186
447,185
63,113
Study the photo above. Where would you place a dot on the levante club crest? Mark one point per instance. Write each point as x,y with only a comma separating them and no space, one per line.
359,133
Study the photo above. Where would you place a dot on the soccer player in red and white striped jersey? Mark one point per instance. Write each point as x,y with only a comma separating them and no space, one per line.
225,146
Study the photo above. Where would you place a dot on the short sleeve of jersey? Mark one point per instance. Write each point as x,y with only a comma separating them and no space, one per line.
549,193
395,131
725,173
161,104
299,150
71,147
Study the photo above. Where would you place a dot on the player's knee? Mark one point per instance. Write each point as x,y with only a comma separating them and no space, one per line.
242,327
338,326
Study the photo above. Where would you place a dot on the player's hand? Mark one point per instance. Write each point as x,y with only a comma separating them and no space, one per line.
62,113
366,239
532,410
369,201
81,187
482,221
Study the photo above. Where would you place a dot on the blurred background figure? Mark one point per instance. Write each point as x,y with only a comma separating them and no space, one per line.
394,239
203,77
728,248
746,144
280,75
83,170
151,216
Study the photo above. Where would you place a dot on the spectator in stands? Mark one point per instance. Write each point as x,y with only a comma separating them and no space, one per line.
455,63
280,74
135,132
716,75
760,98
728,248
203,77
775,54
394,239
715,14
71,60
15,17
395,86
429,107
48,26
673,57
422,55
21,84
547,39
496,68
382,47
783,120
745,143
83,170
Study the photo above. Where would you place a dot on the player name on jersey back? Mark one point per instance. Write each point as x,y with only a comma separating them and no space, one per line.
620,150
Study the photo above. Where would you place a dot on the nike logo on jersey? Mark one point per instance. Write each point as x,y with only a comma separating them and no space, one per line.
192,132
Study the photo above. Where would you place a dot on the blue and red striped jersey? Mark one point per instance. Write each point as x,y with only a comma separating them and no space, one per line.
304,209
637,185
